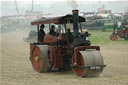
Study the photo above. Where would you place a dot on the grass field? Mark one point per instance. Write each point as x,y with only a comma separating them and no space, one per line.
99,37
16,68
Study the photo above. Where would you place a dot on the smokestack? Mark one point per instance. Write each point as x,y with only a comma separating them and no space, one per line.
75,22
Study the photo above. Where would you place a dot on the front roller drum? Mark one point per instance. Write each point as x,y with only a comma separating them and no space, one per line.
39,58
90,63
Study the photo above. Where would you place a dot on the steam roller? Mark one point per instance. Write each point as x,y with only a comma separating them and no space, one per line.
66,50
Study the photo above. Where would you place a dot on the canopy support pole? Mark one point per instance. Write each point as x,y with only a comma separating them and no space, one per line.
38,32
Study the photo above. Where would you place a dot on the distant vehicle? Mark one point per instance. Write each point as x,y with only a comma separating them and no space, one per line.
117,32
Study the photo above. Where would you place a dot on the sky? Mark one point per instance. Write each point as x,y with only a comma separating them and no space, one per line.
58,7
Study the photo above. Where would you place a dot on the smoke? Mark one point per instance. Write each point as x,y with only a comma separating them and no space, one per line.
73,3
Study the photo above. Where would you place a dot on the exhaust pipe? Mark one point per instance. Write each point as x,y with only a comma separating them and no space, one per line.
75,22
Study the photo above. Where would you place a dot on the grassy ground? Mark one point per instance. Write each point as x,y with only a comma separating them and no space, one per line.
99,37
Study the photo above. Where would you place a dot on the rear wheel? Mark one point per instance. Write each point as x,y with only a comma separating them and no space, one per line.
113,37
39,58
51,57
126,35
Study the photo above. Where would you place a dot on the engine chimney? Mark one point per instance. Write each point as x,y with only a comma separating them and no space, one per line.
75,23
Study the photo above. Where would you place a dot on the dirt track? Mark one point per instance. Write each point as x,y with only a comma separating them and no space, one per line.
16,68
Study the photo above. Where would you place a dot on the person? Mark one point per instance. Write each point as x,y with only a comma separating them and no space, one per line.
87,35
69,32
41,33
52,31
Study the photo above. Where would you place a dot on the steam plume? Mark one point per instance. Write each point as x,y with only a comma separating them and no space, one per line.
73,3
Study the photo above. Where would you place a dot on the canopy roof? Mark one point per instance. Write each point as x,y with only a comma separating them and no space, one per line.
57,20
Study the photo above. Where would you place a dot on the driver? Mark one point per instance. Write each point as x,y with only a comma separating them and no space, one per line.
52,31
41,33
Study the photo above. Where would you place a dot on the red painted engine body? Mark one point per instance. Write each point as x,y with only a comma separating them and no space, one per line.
49,39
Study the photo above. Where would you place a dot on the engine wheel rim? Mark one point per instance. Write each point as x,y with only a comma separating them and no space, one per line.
79,71
126,35
113,37
50,58
37,61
